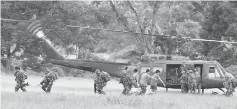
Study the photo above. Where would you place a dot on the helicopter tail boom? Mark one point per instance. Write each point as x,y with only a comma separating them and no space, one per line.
36,29
114,69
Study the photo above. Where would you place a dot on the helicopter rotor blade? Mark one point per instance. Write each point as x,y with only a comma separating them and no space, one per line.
13,20
205,40
172,37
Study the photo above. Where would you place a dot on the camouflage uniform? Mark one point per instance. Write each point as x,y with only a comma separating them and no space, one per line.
192,82
20,80
230,84
127,83
184,83
100,82
48,80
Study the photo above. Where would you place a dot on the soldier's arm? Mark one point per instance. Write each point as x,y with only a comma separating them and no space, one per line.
25,76
43,81
161,81
15,73
121,80
181,78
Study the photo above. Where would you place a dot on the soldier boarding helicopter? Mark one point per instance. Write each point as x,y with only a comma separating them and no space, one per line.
210,73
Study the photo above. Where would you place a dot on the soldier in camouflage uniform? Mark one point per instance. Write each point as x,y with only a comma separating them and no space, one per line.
20,80
100,81
184,82
127,82
230,84
48,80
192,82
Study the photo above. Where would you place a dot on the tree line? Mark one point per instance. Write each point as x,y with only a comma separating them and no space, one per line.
197,19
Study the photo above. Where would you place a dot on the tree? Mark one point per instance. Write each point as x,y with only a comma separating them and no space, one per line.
218,23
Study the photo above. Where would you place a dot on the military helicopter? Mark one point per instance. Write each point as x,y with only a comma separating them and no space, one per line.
209,73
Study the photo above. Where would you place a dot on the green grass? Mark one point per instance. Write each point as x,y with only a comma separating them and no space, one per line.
79,95
30,100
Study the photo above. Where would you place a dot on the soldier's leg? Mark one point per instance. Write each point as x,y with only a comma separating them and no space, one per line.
17,86
44,86
103,85
23,85
124,89
99,88
182,87
191,87
195,87
153,88
199,86
95,87
128,89
143,89
186,87
49,87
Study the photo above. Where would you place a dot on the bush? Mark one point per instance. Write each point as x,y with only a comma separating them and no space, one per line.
59,71
232,69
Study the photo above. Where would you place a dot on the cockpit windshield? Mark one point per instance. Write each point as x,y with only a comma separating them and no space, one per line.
221,68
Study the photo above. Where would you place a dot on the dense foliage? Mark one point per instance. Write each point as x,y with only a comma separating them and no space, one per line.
196,19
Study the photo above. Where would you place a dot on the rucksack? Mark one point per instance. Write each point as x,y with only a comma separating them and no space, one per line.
106,76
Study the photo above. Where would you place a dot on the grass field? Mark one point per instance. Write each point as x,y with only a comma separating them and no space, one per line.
75,93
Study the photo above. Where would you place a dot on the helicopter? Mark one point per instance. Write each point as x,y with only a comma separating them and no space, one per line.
209,73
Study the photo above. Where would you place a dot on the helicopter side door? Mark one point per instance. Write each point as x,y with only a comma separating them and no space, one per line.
199,72
173,73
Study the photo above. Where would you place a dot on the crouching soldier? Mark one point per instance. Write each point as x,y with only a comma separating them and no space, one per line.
100,81
230,84
127,83
48,80
20,80
154,81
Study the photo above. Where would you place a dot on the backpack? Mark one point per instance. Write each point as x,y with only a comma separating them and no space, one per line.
55,76
106,76
21,76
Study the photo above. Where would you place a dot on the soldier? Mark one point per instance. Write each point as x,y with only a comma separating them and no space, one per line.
229,84
192,81
184,82
127,82
124,74
154,81
48,80
100,81
145,77
135,78
20,80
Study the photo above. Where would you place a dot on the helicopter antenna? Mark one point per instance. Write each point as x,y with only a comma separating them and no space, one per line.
172,37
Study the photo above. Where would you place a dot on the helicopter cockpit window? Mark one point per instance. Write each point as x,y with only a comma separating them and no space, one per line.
213,72
211,69
157,68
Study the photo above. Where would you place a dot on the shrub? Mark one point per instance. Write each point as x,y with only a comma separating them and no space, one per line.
59,71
